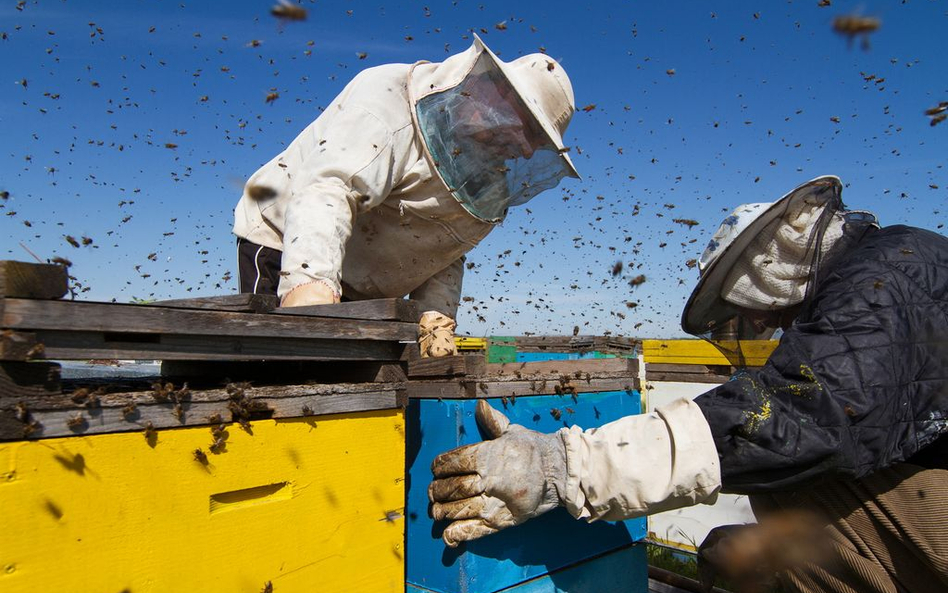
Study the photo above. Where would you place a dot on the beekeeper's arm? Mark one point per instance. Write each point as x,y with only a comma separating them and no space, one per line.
439,298
352,166
634,466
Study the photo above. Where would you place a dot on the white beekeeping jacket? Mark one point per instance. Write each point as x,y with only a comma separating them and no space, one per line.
352,200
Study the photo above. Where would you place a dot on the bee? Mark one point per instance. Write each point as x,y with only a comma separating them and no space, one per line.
271,97
150,432
878,284
260,192
638,280
170,145
178,412
215,419
616,270
218,445
288,12
555,412
37,351
362,55
76,421
307,411
72,241
589,107
129,410
31,427
200,456
267,587
686,221
852,26
22,413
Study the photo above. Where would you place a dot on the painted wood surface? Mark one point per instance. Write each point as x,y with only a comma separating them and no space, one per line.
312,504
522,553
622,571
753,352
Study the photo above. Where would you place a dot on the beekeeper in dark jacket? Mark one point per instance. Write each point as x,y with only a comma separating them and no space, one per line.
847,418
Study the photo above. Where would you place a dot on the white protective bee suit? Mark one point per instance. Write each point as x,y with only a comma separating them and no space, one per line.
360,200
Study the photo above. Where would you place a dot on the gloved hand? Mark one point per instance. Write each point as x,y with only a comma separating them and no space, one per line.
311,293
513,476
436,335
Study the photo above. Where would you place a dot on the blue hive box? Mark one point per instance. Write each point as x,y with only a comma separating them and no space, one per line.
552,553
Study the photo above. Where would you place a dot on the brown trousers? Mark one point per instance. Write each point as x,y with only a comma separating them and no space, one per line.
889,532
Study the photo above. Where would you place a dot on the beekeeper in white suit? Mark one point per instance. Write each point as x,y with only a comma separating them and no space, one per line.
406,171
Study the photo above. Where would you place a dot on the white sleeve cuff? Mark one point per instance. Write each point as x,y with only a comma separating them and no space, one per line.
641,464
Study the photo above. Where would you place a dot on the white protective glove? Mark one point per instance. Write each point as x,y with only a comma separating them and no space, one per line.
516,475
436,335
634,466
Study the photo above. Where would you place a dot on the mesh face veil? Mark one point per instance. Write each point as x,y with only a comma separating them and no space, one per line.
765,262
486,145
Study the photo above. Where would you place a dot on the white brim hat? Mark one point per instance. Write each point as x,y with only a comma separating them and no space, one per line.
706,309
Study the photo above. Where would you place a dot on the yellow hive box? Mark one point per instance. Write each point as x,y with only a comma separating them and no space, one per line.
309,504
753,352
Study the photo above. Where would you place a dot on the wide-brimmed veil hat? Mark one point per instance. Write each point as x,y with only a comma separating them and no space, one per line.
735,263
543,86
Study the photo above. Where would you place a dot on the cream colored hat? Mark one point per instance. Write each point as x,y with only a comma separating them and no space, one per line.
760,257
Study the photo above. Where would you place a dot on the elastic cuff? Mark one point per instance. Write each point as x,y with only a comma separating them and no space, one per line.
574,499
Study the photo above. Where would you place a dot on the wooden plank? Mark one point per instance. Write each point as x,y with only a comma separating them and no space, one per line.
64,345
110,513
33,281
107,317
448,366
132,411
374,309
468,389
20,346
239,303
285,371
685,377
29,379
566,367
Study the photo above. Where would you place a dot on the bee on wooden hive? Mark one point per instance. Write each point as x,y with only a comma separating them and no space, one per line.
150,432
76,421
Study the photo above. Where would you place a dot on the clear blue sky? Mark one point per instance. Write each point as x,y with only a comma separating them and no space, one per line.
746,116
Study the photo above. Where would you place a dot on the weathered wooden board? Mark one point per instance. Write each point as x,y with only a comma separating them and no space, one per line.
688,373
512,386
473,365
19,346
448,366
26,379
66,345
565,367
286,371
314,504
108,317
33,281
131,411
373,309
239,303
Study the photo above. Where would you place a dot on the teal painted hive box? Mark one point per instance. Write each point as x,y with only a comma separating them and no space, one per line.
552,553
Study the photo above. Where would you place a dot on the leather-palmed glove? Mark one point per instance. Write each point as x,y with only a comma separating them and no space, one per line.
317,292
436,335
515,475
634,466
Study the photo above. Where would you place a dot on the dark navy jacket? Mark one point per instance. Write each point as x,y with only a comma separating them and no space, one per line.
859,382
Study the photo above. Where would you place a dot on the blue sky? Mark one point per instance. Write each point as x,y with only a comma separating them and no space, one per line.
748,113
